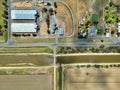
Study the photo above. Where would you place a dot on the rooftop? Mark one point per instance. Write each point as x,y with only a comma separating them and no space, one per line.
23,14
23,27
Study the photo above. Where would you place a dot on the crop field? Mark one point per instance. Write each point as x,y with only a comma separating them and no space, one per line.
83,78
89,59
26,82
26,50
25,60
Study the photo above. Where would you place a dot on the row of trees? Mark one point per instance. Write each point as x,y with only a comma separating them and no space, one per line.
5,14
3,29
98,66
101,49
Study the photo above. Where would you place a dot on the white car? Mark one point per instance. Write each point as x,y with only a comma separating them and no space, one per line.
118,27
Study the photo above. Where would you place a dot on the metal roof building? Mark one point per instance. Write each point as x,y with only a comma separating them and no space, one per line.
23,27
23,14
61,31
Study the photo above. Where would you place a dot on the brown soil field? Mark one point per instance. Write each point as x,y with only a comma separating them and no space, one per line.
92,78
63,11
74,6
26,82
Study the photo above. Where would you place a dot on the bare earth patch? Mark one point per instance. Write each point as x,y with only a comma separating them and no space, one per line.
92,78
26,82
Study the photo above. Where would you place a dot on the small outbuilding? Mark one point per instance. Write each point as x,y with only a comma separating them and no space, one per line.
61,31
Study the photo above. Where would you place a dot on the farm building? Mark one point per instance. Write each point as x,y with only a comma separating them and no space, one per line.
23,14
23,27
61,31
94,31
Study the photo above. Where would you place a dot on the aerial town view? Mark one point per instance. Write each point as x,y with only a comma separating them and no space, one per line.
59,44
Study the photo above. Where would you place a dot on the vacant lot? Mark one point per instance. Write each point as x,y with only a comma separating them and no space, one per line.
65,17
26,82
92,78
21,60
73,5
33,40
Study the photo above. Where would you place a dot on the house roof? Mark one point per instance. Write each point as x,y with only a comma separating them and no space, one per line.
23,27
23,14
94,31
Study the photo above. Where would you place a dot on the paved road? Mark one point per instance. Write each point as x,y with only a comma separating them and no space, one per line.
74,44
9,41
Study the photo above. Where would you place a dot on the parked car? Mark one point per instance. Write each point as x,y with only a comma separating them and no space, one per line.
118,27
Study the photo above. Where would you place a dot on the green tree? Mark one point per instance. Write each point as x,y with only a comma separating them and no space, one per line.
110,15
5,35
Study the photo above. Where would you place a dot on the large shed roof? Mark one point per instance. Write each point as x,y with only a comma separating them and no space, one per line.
23,14
23,27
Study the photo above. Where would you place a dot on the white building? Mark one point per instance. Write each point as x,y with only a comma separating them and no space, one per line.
23,14
23,27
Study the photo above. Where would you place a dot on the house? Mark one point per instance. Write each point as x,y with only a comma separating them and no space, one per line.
23,27
107,34
94,31
23,14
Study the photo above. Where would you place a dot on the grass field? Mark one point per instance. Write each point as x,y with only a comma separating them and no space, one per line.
92,78
25,60
1,12
33,40
26,82
89,59
26,50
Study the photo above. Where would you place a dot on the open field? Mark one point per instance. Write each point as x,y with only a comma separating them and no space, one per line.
25,60
73,6
92,78
1,12
65,17
26,82
89,59
26,70
26,50
33,40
